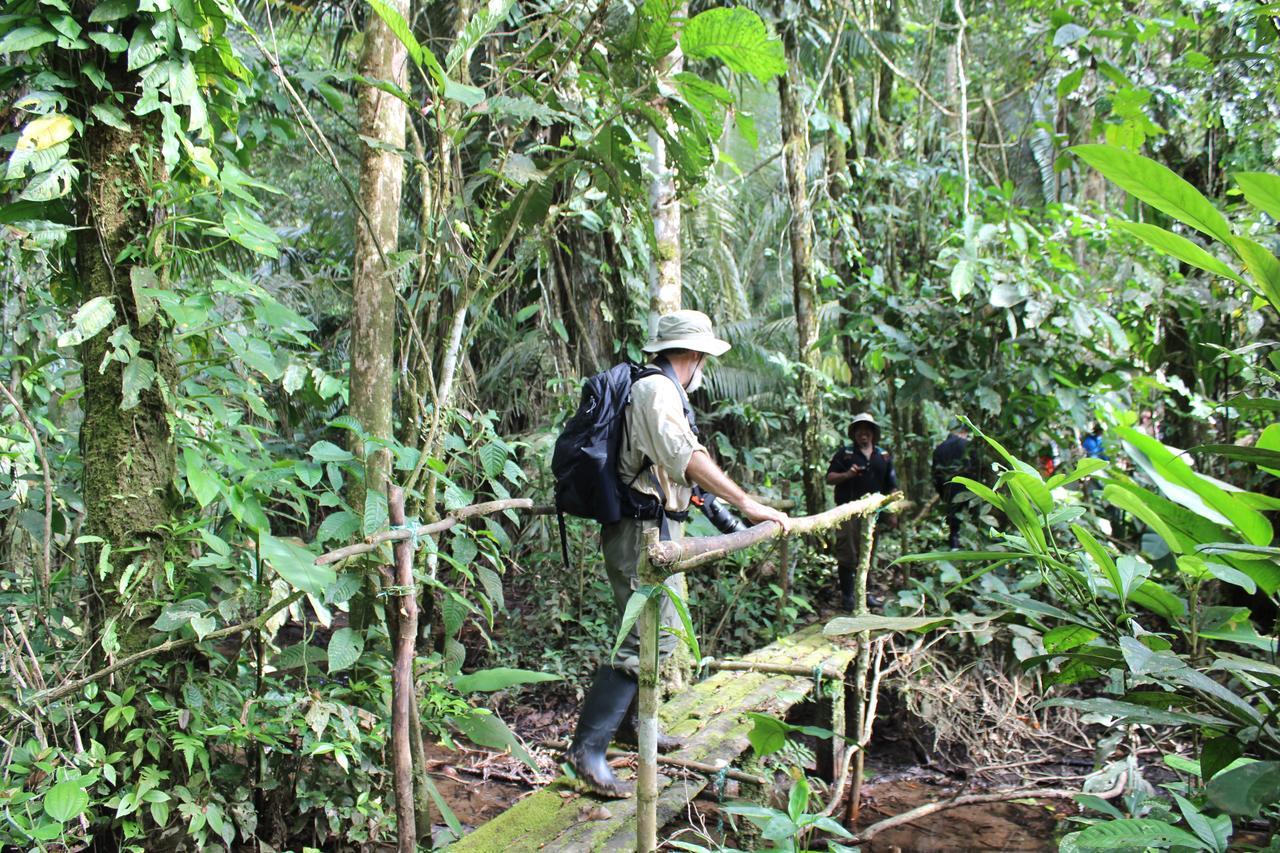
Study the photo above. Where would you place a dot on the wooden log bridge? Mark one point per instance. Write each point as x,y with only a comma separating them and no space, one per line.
711,716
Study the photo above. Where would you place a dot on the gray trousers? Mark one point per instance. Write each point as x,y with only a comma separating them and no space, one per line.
623,544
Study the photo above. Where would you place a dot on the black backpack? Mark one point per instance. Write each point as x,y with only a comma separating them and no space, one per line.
585,460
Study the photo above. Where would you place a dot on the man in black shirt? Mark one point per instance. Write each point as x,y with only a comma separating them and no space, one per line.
951,459
856,471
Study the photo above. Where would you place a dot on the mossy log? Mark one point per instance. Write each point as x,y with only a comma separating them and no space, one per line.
710,715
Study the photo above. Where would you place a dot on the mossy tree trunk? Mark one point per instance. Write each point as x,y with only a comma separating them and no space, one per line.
373,315
129,456
795,144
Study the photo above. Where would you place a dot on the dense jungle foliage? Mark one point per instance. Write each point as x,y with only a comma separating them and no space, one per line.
262,259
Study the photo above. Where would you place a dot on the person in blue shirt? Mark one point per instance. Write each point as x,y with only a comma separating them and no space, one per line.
1092,444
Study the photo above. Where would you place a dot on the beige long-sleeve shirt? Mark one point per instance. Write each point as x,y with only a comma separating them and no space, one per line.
658,432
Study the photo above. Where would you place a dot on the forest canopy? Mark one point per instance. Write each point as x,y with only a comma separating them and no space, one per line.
265,263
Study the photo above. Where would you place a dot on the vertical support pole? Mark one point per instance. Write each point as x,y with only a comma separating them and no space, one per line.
784,566
647,724
402,690
862,667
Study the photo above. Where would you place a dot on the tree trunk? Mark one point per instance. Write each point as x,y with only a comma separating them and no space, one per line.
795,144
665,283
129,456
373,316
666,291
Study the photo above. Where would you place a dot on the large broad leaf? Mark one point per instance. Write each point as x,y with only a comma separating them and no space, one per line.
1129,712
1263,458
1246,790
66,800
1158,186
90,319
345,647
1179,247
499,678
486,729
1262,190
769,734
1264,268
296,565
1184,486
1133,833
855,624
737,37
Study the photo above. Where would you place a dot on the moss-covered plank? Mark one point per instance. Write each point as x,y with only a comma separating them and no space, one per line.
710,715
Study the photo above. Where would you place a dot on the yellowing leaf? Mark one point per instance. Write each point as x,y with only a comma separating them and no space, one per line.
45,132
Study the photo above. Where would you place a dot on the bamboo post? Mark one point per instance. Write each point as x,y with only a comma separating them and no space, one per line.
784,566
402,689
863,663
647,724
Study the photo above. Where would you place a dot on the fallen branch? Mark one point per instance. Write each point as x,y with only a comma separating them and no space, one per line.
56,693
671,557
976,799
397,534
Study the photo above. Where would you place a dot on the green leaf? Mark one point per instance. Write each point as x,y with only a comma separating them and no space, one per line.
1102,559
111,42
455,826
1066,637
91,318
1217,753
1246,790
1182,485
1128,712
1138,833
499,678
112,10
327,451
635,605
1158,186
144,49
1262,190
139,374
1179,247
296,565
345,648
962,278
400,29
798,801
205,485
66,800
1253,455
855,624
375,513
338,526
486,729
737,37
1264,268
26,38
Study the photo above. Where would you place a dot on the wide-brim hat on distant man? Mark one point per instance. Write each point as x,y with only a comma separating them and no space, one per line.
865,418
686,329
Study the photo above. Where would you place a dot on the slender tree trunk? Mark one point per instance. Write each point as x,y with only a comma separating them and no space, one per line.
373,316
795,144
666,290
129,456
665,283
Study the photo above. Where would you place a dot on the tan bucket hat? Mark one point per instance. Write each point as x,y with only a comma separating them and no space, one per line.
686,330
865,418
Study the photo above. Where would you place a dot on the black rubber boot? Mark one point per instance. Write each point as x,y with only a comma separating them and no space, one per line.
846,587
603,709
627,732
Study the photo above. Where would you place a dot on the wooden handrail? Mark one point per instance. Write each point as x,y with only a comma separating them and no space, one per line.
667,558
